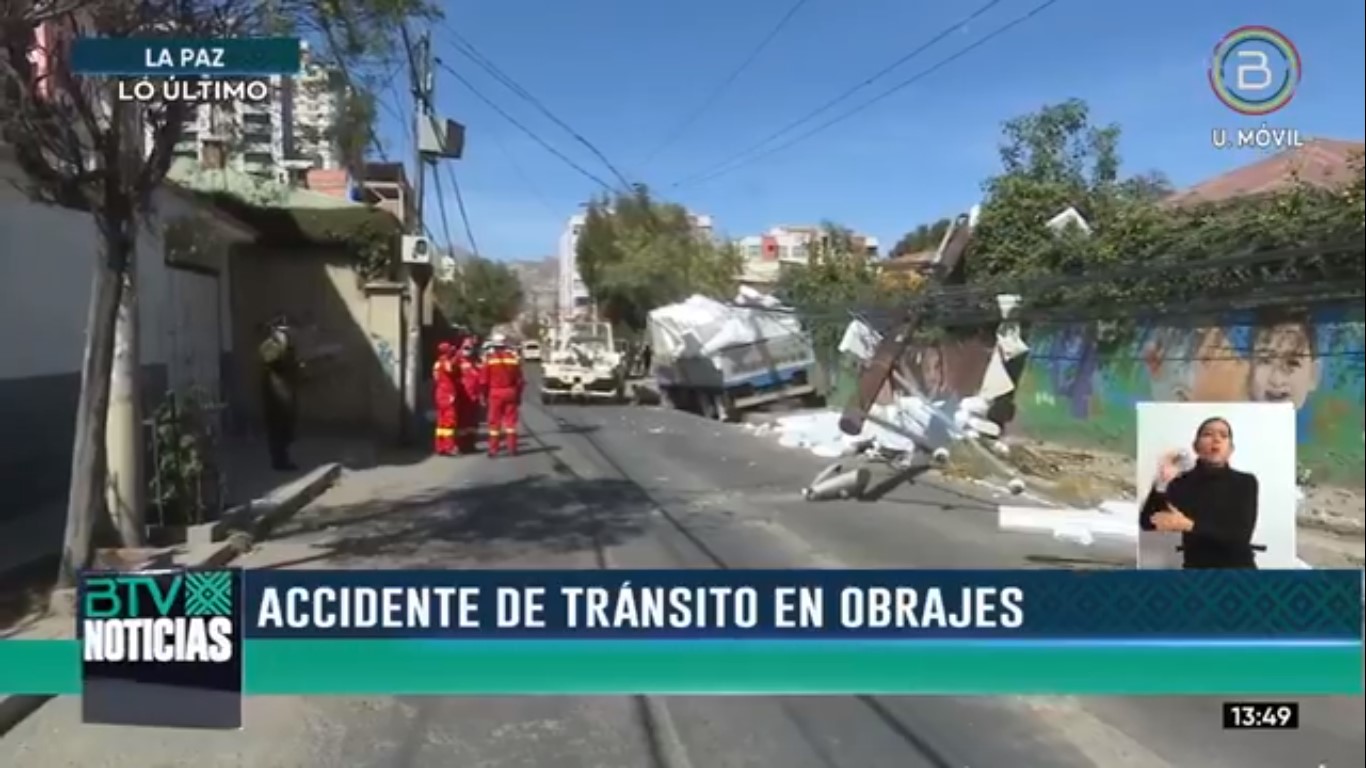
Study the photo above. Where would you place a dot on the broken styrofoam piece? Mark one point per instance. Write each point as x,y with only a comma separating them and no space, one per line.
859,341
1016,486
1078,535
1050,520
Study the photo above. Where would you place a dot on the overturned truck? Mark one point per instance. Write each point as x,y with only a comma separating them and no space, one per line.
718,360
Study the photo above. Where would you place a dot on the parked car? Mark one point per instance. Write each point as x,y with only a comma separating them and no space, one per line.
531,351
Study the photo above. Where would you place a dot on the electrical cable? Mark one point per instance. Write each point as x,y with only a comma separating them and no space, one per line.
521,127
844,96
445,219
692,117
467,49
464,214
740,162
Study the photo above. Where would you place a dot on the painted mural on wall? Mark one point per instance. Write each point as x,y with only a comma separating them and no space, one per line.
1080,387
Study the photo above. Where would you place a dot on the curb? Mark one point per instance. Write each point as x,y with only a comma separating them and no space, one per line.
250,523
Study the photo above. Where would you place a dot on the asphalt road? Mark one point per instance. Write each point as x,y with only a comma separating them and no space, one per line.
623,487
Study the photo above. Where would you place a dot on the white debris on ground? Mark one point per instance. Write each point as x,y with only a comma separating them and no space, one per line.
910,425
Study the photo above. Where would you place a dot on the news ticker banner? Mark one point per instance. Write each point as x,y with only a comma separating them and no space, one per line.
181,647
172,57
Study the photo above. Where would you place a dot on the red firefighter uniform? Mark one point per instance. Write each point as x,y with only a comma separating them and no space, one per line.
503,385
444,398
470,392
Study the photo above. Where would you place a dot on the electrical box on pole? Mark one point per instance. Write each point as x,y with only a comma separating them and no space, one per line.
439,138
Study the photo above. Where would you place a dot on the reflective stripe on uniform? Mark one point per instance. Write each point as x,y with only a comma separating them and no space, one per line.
494,433
445,432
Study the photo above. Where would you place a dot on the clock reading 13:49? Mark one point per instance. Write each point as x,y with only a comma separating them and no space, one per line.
1261,715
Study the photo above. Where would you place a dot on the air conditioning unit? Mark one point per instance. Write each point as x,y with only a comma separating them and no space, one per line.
416,250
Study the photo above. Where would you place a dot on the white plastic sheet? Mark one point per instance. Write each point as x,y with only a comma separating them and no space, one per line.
701,326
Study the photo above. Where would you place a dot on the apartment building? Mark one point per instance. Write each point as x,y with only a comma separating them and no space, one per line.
282,138
573,298
791,244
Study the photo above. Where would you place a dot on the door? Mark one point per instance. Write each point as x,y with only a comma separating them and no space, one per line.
193,335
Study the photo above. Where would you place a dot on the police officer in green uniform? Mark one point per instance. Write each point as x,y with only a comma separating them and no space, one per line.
279,384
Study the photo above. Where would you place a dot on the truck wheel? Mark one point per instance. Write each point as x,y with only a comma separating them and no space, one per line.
706,403
724,408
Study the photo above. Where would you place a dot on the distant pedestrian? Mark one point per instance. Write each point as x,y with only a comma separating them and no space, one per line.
279,391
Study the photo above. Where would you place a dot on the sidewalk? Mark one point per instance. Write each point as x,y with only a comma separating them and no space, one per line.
30,537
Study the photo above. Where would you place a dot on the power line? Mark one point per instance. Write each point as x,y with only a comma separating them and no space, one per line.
445,220
464,47
519,126
522,174
464,214
730,79
746,158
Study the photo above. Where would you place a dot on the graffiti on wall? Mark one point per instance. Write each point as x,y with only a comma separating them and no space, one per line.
387,357
1080,387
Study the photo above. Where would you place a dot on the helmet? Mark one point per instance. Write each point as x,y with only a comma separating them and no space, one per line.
498,340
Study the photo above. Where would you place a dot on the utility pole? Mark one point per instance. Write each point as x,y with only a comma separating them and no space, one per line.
419,275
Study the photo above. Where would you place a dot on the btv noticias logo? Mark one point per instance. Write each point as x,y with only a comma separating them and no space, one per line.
142,617
159,647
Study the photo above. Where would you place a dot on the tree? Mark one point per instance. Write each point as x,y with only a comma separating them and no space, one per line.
1056,158
636,253
836,279
923,238
79,148
1051,160
482,295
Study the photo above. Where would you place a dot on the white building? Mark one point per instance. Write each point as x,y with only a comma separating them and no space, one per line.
573,297
790,245
292,131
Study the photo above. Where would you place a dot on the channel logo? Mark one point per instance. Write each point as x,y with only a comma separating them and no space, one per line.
161,648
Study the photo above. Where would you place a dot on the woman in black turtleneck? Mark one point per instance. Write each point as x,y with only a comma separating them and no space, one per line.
1213,506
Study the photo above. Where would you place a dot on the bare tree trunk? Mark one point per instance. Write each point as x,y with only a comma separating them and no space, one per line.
85,498
125,494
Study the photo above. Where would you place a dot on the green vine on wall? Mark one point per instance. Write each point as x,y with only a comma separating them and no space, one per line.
369,236
185,482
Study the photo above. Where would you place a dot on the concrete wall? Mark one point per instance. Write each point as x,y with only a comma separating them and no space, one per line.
357,341
1079,388
47,257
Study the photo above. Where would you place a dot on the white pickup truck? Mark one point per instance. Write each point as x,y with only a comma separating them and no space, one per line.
582,363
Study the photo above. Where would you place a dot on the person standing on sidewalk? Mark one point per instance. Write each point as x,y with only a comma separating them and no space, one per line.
445,390
470,391
503,384
279,391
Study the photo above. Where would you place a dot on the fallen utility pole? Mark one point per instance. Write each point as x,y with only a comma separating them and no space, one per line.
887,356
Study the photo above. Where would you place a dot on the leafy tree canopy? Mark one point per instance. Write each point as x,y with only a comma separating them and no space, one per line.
1056,158
923,238
837,278
636,253
482,295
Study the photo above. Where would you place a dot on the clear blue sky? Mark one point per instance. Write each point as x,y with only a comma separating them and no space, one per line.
625,73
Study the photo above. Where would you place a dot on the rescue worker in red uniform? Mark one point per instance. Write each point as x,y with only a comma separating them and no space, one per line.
503,385
470,387
444,391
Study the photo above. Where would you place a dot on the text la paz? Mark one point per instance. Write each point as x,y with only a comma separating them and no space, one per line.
199,58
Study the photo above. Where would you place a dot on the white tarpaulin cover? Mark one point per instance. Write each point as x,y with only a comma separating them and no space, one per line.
701,326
